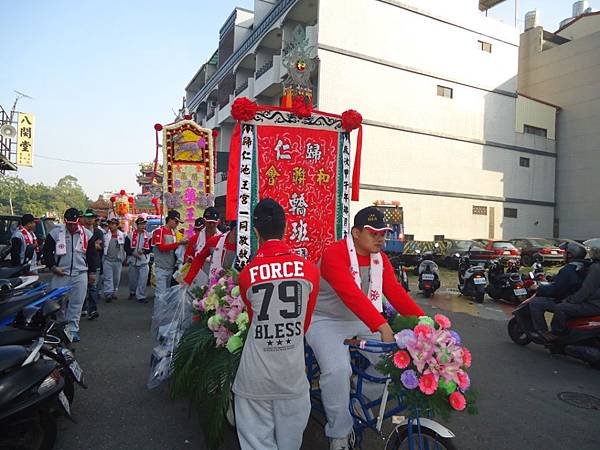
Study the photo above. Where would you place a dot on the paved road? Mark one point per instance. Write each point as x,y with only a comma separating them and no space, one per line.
519,407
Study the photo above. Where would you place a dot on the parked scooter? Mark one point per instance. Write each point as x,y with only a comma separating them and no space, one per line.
31,393
581,342
429,275
506,286
536,276
472,281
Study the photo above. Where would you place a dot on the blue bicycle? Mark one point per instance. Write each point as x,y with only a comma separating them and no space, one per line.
409,433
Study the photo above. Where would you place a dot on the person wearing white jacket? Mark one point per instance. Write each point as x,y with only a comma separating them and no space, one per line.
112,263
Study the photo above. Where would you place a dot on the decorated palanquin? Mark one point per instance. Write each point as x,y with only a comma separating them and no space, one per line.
301,158
188,183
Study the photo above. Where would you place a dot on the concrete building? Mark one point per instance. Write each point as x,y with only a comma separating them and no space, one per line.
436,82
563,68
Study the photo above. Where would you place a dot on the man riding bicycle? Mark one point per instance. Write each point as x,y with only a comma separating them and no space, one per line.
355,275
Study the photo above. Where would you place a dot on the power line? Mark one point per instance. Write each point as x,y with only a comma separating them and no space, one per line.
95,163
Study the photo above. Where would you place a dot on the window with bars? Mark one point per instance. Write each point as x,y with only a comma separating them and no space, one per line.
485,46
479,210
511,213
530,129
444,91
524,162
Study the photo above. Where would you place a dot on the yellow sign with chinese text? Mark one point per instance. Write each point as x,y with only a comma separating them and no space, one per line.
25,140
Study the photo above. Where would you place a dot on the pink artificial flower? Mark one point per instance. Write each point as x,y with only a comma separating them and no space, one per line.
428,384
463,380
401,359
222,335
423,331
457,401
442,321
466,355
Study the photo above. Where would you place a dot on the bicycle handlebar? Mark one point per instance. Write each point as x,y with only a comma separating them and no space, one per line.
365,344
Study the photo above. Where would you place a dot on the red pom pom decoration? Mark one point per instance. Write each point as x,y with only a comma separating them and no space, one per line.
301,107
158,127
188,117
154,201
215,132
122,192
243,109
130,199
351,120
112,199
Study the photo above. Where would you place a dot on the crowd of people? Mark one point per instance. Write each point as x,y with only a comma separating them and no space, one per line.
289,301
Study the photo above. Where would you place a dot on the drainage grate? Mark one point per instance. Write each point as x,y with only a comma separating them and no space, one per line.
579,400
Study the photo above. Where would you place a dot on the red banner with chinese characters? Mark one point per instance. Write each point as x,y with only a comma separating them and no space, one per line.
303,164
297,167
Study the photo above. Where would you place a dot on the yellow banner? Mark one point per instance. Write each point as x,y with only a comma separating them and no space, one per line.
25,140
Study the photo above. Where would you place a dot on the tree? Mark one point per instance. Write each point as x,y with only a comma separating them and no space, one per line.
38,198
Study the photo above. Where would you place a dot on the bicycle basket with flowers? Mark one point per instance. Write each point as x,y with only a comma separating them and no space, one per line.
429,369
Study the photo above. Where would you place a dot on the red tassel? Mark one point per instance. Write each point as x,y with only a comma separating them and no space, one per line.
233,174
356,169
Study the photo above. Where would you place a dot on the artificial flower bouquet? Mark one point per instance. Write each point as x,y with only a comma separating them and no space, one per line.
224,312
429,370
208,355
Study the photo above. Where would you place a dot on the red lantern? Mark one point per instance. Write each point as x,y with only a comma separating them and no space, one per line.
112,199
130,199
158,127
122,192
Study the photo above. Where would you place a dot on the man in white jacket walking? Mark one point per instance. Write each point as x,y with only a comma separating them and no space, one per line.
112,263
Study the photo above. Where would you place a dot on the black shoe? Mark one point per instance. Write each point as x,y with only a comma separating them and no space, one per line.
93,315
143,300
131,296
84,313
108,299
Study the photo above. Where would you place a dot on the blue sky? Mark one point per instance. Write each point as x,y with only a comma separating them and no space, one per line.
103,72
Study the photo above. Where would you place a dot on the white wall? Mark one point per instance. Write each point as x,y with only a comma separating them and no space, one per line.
388,32
569,76
396,158
426,216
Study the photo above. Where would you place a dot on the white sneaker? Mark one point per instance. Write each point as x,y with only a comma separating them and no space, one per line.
338,444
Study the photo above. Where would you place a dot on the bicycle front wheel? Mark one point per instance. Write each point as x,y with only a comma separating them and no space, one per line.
428,439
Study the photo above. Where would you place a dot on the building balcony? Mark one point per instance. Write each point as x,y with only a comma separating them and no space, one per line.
259,31
268,76
241,88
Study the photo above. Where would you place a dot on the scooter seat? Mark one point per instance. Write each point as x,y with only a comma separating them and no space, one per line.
12,356
10,308
17,336
10,272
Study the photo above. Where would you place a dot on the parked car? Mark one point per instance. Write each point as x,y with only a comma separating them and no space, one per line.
503,250
559,241
539,249
8,224
456,249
